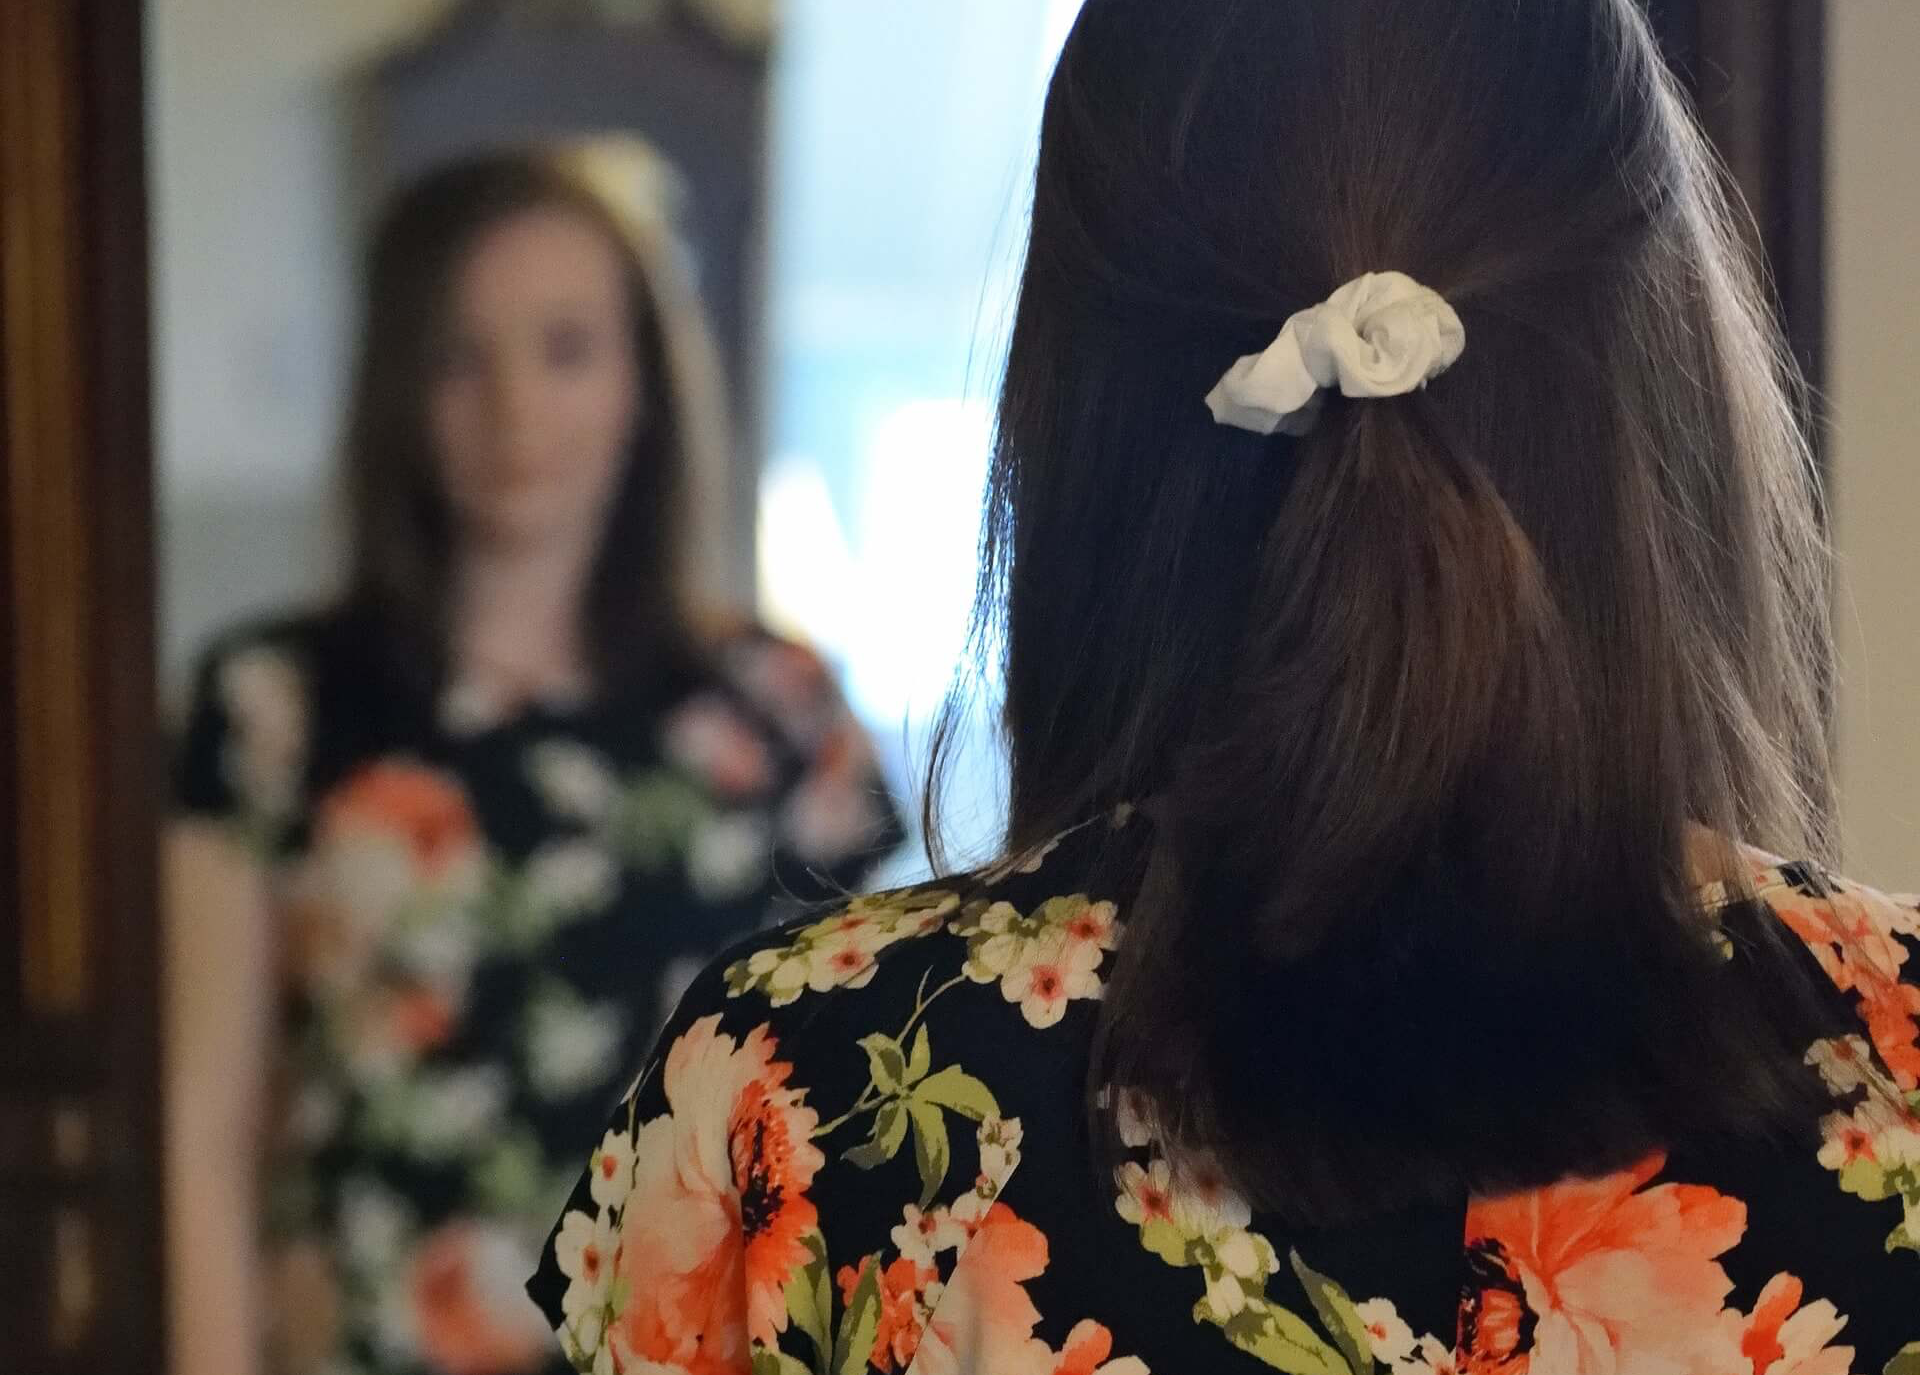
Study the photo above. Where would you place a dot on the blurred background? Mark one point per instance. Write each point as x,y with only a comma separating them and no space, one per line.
190,185
885,150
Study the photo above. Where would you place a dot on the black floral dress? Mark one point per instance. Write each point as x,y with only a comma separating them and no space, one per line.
483,918
860,1147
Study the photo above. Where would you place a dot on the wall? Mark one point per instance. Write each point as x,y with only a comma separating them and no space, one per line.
253,291
1874,380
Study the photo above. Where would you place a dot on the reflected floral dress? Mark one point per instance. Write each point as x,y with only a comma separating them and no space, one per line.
483,918
860,1147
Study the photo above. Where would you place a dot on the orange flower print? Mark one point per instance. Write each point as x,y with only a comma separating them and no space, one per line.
1854,934
427,809
708,739
1601,1275
469,1313
985,1320
393,1026
422,1018
716,1217
903,1291
1086,1352
1782,1338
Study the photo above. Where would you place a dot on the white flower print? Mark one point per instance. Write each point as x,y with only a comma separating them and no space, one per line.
610,1170
784,974
374,1226
1433,1357
1846,1063
1876,1133
921,1237
1196,1201
452,1112
834,953
999,1140
1133,1119
729,855
584,1249
573,780
572,877
571,1044
314,1114
264,695
1042,962
1387,1332
1226,1296
1045,982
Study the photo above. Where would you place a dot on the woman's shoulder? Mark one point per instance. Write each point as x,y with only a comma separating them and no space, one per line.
877,1072
1866,942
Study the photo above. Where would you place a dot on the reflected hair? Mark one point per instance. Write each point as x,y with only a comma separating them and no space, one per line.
1442,712
401,526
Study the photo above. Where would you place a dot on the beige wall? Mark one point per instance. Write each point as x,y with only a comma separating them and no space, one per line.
1874,384
248,119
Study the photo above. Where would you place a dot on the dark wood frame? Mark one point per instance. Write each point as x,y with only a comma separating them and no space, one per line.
80,1175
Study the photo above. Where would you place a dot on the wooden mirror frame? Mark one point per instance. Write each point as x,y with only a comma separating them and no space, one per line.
80,770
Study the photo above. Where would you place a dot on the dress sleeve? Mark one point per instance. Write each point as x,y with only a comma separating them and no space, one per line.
675,1246
756,1204
243,755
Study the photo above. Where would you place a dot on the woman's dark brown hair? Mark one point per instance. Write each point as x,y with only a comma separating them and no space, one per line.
402,537
1431,707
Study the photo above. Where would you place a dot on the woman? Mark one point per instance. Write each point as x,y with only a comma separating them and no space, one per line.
503,800
1391,969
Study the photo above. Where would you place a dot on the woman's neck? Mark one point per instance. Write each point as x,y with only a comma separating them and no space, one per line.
518,628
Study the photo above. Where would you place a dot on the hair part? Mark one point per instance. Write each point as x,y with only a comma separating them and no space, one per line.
1431,705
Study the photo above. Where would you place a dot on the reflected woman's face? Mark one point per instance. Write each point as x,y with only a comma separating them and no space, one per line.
535,391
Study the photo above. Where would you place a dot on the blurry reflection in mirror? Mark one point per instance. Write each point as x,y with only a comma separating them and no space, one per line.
430,835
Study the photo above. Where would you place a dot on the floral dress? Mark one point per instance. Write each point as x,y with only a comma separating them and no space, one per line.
861,1147
482,920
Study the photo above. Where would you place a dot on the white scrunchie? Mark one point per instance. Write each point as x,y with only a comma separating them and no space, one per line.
1380,335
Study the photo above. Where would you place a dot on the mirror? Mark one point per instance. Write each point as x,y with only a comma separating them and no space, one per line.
454,863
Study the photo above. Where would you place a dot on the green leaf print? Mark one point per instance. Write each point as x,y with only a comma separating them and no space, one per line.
509,1179
810,1301
885,1061
768,1361
889,1130
1868,1179
1168,1242
955,1089
920,1059
853,1351
1906,1361
931,1151
1280,1339
654,819
1338,1315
